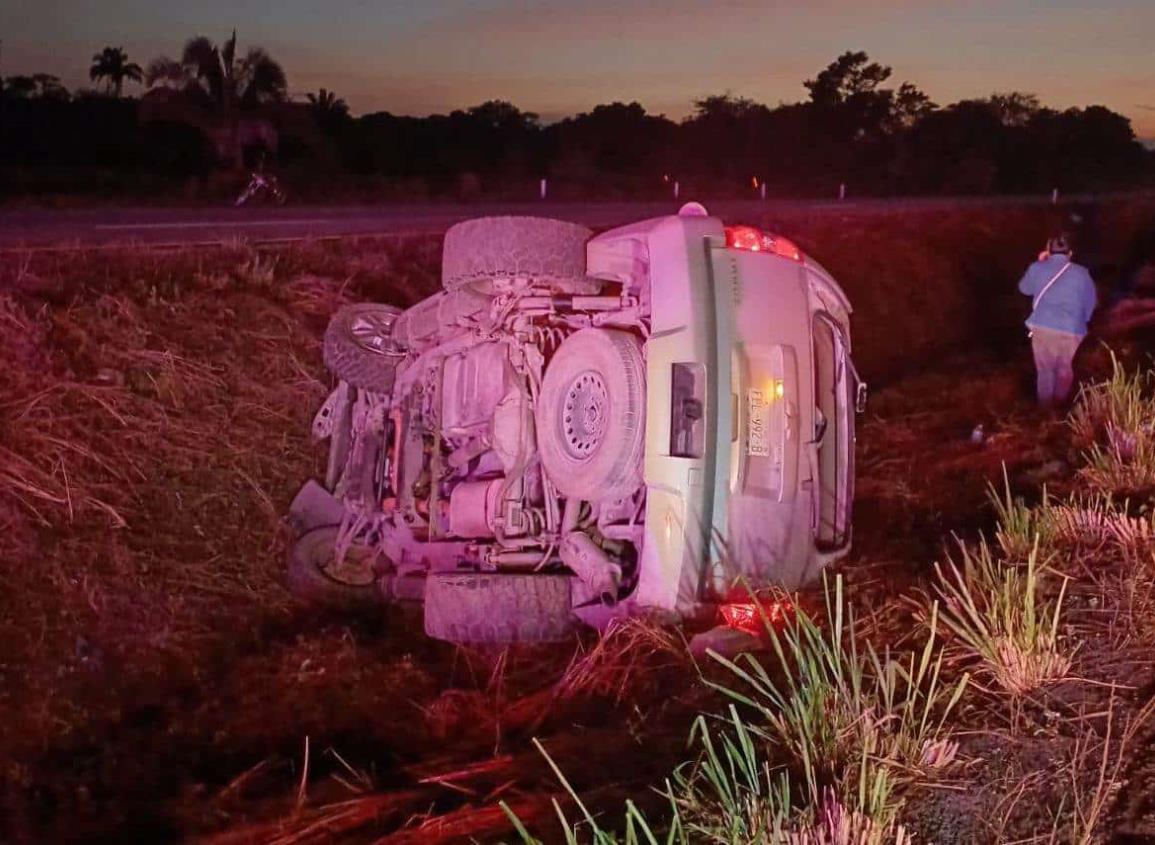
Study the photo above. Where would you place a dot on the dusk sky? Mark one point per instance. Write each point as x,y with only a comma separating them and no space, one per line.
558,58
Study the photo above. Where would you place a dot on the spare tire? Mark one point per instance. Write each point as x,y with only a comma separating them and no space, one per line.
498,607
550,252
359,346
591,415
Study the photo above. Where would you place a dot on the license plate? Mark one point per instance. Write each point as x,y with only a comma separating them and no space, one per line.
757,424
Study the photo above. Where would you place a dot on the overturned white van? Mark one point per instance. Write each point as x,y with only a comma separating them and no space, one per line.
651,420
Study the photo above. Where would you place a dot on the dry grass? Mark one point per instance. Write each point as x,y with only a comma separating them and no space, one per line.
614,667
134,427
836,825
1105,756
154,415
520,691
1096,524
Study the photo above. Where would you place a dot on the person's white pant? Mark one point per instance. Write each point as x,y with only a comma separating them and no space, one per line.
1054,356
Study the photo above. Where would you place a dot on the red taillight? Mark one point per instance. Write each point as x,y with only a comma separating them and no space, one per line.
744,237
748,615
754,240
742,617
785,248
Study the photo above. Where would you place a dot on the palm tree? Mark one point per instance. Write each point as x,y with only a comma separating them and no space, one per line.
328,109
217,73
224,85
112,65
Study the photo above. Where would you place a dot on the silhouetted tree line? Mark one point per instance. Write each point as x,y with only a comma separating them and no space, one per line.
215,107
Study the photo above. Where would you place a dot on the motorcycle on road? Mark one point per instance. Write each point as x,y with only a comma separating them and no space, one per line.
262,187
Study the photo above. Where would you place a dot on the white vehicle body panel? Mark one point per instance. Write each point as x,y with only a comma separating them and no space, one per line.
746,511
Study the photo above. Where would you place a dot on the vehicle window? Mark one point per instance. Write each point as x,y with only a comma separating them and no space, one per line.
832,434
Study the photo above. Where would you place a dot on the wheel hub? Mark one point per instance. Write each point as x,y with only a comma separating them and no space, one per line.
584,415
354,569
374,332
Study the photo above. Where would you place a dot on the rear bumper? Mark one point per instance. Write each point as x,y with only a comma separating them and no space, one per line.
680,490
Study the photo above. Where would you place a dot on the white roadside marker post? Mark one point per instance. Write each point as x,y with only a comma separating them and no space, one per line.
841,191
543,188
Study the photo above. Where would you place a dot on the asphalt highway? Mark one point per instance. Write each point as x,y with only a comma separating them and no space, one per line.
107,226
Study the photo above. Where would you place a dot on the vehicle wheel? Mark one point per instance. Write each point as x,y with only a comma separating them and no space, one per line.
315,577
493,607
359,346
551,252
591,415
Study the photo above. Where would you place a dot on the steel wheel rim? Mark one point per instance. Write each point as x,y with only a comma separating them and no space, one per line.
373,332
354,570
583,415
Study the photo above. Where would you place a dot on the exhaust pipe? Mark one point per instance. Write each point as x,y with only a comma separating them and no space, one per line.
592,565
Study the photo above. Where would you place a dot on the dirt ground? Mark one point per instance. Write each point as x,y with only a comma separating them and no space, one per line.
158,683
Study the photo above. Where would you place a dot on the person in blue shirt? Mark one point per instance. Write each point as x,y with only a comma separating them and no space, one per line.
1063,299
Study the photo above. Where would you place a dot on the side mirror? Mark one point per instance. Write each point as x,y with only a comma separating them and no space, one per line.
860,395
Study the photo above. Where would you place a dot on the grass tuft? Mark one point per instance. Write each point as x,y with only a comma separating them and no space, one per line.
1003,618
818,749
1122,401
1114,420
1020,529
258,272
847,717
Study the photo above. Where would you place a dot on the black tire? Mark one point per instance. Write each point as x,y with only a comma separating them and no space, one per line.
358,343
491,607
551,252
311,580
591,415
